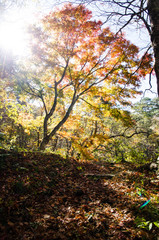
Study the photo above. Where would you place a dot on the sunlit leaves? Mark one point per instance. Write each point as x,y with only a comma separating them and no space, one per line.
77,63
95,54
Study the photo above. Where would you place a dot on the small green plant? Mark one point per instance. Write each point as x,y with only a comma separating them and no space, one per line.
142,223
79,168
141,191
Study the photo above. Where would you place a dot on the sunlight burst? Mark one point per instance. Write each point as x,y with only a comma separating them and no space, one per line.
14,38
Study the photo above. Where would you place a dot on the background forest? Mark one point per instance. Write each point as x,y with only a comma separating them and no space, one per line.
92,137
73,95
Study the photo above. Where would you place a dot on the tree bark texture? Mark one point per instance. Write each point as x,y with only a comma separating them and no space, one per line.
153,11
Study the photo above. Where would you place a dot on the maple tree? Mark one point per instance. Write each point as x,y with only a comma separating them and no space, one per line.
77,60
136,13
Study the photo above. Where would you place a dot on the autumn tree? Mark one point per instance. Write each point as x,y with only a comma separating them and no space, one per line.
77,61
138,13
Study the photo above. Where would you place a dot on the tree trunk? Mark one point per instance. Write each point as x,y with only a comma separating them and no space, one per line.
44,142
47,138
153,11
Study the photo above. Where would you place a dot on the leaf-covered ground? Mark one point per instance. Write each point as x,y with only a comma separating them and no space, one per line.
46,197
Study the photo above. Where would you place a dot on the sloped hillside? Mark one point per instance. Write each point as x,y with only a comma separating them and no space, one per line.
46,197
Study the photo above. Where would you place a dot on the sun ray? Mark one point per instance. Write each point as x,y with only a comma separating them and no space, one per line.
14,37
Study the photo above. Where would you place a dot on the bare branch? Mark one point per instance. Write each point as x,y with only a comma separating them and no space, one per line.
150,84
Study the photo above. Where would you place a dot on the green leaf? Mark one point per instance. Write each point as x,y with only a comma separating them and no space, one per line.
156,224
150,226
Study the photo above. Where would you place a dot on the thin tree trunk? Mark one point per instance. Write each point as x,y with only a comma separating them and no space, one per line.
153,11
38,138
47,138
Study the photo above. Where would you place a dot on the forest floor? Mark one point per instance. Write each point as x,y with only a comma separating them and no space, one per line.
46,197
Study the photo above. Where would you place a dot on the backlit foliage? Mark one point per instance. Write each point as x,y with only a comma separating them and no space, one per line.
72,95
78,62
